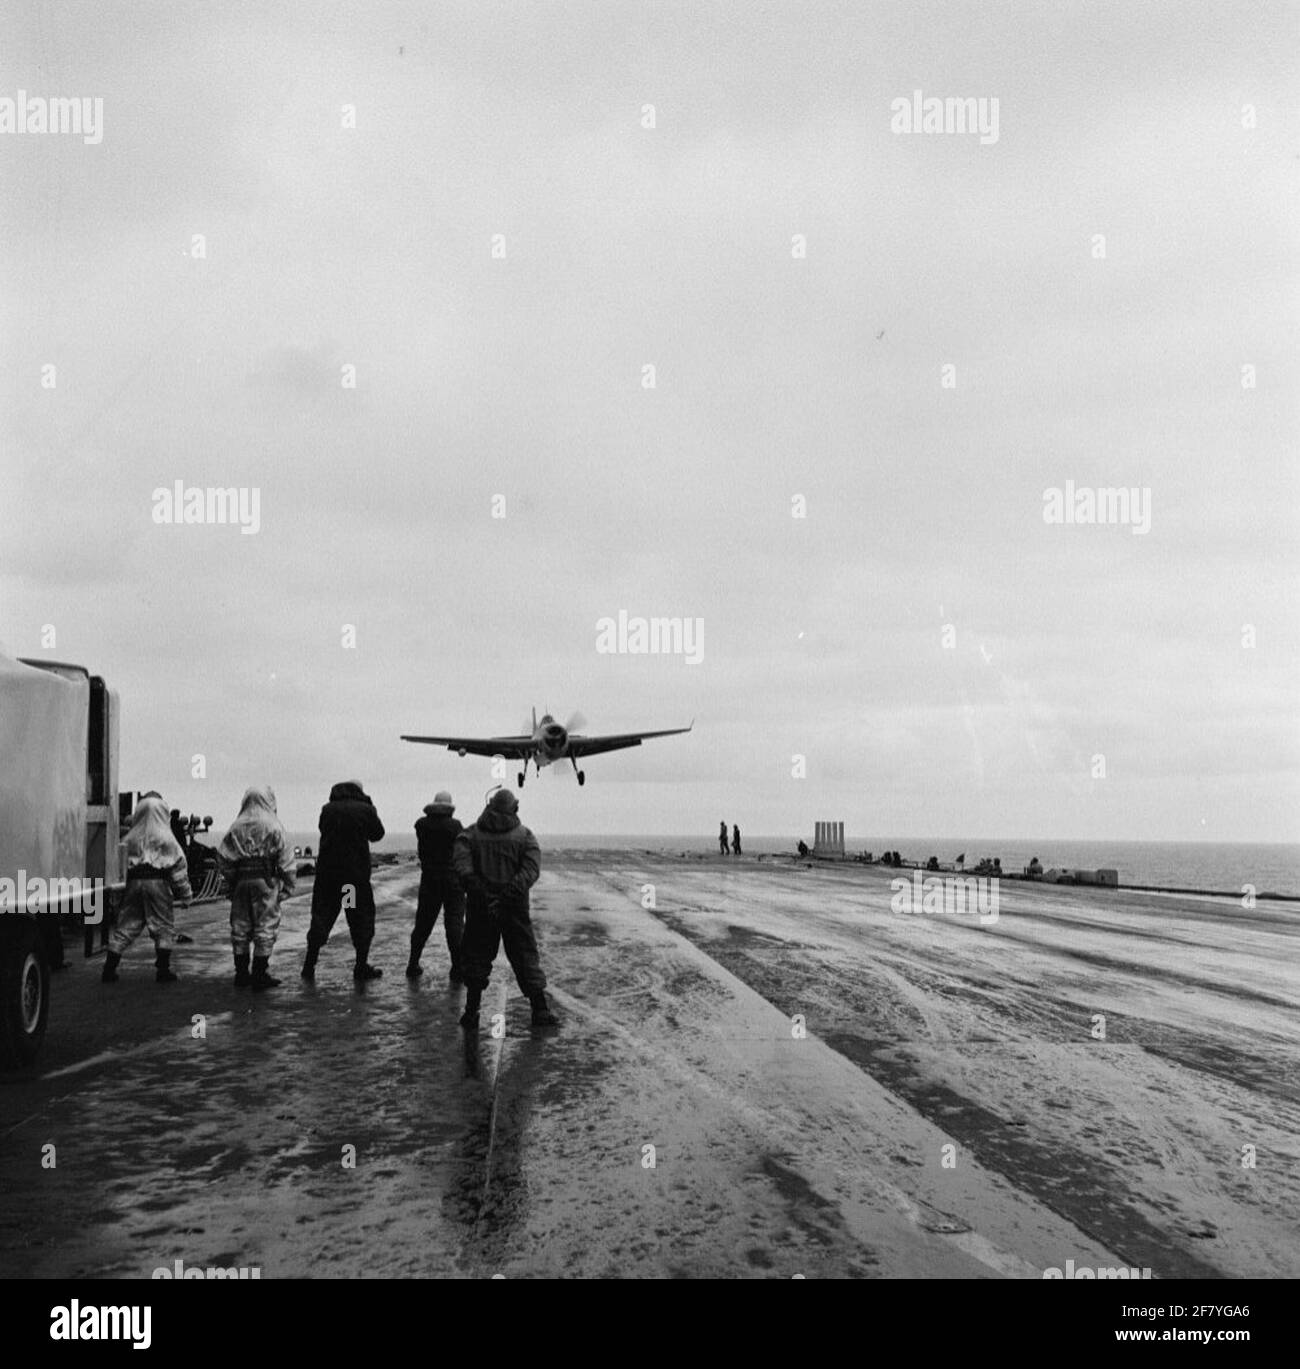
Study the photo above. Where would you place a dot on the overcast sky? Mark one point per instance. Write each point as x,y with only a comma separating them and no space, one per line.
776,375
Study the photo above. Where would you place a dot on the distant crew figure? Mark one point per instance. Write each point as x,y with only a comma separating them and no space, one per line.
803,847
722,839
180,828
498,861
735,841
348,824
1035,870
436,833
254,857
156,874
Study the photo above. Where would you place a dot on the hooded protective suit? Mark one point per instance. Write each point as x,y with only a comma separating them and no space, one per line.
348,824
254,857
256,838
498,861
149,841
156,874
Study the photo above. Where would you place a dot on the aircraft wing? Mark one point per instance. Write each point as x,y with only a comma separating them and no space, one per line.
593,746
518,747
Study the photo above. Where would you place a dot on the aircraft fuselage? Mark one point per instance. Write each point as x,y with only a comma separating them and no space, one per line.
552,741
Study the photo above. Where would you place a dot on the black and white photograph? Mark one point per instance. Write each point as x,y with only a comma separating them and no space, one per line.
649,641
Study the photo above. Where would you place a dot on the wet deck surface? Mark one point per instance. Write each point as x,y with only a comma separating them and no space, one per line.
774,1153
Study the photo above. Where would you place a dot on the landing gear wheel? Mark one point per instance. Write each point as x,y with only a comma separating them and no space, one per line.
582,778
521,779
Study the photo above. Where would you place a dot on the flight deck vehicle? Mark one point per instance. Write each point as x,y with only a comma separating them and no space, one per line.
61,862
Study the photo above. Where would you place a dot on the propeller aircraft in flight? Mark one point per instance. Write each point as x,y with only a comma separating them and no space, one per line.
547,743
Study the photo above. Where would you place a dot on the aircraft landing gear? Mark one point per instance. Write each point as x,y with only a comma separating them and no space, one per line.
582,779
522,773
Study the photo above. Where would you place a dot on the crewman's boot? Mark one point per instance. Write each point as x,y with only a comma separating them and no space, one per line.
309,962
109,976
413,967
469,1018
262,974
542,1014
165,974
242,978
363,970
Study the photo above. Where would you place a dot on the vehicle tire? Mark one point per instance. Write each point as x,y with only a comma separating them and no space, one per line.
24,994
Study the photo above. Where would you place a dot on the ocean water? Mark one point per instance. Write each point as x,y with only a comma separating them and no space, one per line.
1220,866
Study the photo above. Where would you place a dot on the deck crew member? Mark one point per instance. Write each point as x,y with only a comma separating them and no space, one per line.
156,875
498,861
180,829
348,824
254,856
436,833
